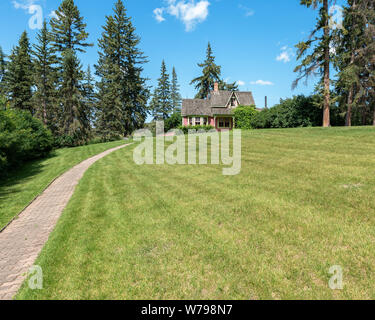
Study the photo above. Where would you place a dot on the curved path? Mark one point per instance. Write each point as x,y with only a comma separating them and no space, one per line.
23,239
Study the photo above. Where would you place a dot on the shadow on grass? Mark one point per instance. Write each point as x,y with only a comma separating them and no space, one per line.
21,175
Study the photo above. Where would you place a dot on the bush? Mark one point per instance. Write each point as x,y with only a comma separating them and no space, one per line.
299,111
22,138
185,129
173,122
244,116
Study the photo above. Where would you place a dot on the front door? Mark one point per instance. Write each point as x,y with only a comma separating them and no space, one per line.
224,123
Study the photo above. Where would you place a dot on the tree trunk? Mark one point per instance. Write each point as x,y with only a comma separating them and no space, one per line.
348,121
327,98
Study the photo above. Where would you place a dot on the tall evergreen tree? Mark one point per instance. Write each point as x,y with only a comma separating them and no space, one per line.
2,70
228,86
69,36
319,60
122,91
175,93
45,75
68,28
211,74
90,100
75,123
19,76
161,104
354,51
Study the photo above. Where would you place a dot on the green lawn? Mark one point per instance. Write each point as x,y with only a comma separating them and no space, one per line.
304,201
30,180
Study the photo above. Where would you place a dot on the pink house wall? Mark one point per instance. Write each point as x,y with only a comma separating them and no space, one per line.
186,121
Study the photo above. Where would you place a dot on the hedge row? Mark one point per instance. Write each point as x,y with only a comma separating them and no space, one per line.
22,138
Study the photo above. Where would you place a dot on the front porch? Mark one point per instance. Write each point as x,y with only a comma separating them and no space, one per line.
218,122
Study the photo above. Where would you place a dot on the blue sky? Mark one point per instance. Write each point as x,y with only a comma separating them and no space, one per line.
253,40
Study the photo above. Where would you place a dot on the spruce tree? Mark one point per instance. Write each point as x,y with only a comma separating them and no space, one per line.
75,122
228,86
211,74
175,93
161,104
318,61
122,92
69,36
89,95
354,52
68,28
2,71
19,76
45,75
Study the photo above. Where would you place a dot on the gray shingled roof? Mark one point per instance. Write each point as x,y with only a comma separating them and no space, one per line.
215,104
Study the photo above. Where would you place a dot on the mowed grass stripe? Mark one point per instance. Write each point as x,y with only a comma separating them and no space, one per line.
23,185
185,232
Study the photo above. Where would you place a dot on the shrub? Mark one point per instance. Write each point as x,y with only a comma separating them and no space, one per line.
22,138
299,111
244,116
173,122
185,129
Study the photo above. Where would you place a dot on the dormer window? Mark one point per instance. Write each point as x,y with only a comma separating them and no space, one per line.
233,101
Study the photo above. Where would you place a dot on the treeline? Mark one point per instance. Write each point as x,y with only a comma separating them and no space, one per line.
47,80
349,48
299,111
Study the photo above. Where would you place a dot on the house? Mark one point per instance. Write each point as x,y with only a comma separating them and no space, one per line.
216,110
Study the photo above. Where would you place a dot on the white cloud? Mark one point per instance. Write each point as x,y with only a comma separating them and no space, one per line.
262,83
241,83
248,12
189,12
158,12
285,55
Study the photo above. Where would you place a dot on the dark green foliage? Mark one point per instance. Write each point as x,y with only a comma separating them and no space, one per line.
2,71
185,129
68,29
173,122
355,63
19,76
69,36
161,103
211,74
228,86
89,95
175,93
299,111
45,76
22,138
244,116
315,54
75,121
122,96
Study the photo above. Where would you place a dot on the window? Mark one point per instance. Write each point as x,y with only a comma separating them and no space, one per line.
233,101
197,121
191,121
205,121
224,123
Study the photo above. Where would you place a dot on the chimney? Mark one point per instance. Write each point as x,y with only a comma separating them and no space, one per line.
266,103
216,87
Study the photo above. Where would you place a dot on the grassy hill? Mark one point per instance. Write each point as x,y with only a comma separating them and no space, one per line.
303,202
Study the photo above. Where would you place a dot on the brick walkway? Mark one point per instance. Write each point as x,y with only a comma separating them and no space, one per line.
22,241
